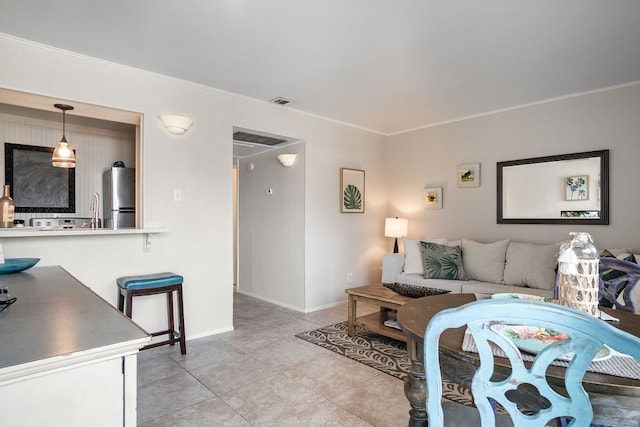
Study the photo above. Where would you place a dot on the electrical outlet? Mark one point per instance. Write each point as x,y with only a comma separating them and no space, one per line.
177,195
349,277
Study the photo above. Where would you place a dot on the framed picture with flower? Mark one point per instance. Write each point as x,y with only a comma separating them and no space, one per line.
576,187
432,197
351,190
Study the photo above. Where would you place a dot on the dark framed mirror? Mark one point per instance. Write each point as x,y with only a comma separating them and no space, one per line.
563,189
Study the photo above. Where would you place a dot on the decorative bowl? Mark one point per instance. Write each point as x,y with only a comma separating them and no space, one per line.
16,265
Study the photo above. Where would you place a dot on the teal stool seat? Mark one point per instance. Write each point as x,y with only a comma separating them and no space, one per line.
152,284
149,281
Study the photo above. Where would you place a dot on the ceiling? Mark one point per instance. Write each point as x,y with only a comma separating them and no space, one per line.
386,66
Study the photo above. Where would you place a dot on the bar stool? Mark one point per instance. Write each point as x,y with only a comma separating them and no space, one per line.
152,284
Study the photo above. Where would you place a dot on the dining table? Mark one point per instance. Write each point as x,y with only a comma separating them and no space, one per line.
615,399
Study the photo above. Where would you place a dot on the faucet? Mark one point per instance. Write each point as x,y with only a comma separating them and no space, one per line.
94,208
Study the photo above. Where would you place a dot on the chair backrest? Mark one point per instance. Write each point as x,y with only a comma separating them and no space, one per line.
618,277
586,333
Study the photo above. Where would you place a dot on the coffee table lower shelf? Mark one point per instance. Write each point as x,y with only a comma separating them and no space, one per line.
373,323
378,295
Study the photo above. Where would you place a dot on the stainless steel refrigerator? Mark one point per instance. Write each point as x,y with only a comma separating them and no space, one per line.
119,197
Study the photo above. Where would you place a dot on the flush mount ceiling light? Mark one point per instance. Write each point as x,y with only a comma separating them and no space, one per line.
176,125
287,160
63,155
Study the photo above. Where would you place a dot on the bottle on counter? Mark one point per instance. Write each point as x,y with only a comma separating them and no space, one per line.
7,209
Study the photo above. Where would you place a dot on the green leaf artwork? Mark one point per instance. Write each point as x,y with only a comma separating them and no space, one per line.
352,198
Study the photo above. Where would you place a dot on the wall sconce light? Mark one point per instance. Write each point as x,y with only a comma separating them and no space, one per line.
395,227
176,125
63,155
287,160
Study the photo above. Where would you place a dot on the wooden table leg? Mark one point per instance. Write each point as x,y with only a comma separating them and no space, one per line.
351,317
415,388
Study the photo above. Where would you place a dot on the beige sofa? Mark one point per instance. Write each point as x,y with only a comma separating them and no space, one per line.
490,268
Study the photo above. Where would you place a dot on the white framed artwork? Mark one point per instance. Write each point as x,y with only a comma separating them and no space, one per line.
432,197
468,175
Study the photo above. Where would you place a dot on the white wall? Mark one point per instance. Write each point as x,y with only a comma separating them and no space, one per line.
335,244
341,243
271,228
428,157
199,243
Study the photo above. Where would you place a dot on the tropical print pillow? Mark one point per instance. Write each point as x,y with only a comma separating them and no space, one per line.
610,274
442,261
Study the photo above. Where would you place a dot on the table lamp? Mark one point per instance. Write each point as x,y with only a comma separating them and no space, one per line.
395,227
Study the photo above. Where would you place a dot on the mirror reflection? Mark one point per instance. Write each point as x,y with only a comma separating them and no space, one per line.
563,189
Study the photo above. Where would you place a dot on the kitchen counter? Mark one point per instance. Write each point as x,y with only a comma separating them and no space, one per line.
34,232
62,346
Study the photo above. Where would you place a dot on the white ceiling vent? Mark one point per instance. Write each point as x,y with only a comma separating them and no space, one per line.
247,143
281,101
257,139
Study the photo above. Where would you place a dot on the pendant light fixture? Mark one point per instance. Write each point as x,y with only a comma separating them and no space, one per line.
63,155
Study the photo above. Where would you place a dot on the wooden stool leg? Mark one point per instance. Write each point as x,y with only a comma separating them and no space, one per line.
120,300
172,328
129,305
183,340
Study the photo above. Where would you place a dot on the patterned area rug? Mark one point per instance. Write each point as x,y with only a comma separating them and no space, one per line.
384,354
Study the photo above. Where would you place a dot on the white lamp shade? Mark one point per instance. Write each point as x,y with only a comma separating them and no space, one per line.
176,125
395,227
287,160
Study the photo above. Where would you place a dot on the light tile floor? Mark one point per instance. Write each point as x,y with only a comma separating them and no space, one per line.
262,375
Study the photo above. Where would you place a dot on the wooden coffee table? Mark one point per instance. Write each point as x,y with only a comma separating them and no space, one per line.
388,301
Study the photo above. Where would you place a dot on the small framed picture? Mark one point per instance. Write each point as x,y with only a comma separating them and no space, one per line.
468,175
351,190
432,197
576,187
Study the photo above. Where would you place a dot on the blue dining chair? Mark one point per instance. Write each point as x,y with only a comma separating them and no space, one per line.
587,335
617,277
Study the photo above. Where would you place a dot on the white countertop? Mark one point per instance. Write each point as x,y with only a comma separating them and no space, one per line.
35,232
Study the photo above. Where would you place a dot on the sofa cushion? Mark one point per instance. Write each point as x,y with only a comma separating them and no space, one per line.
531,265
484,261
442,261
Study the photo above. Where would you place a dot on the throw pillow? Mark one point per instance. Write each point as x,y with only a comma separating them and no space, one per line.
611,274
412,257
442,261
484,261
531,265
